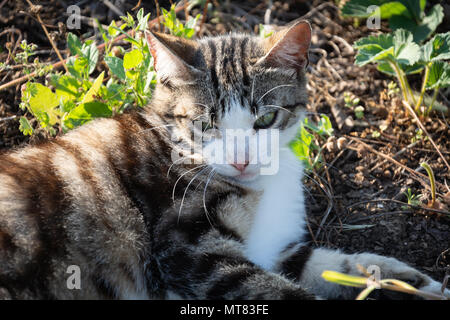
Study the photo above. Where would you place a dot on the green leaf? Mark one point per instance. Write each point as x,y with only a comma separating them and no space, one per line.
112,29
438,48
406,51
94,89
142,20
78,67
439,75
374,48
25,126
43,100
424,28
116,66
67,106
90,52
74,44
301,145
415,8
66,87
388,8
86,112
325,126
398,46
132,59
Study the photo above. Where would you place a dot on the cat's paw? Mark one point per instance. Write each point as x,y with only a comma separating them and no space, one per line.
436,288
390,268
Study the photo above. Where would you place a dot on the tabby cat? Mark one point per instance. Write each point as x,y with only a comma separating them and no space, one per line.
126,202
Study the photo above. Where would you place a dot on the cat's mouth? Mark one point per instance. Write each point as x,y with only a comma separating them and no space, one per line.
243,178
246,176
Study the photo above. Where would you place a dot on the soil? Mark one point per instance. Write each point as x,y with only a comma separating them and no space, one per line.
356,198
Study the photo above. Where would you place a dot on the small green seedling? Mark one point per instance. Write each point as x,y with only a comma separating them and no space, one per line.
393,89
413,199
308,140
359,112
263,33
176,27
430,173
350,100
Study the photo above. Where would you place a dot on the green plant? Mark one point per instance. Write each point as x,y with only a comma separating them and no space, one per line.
263,33
393,89
359,112
418,135
22,58
350,100
402,14
430,173
397,54
175,26
71,99
307,141
413,199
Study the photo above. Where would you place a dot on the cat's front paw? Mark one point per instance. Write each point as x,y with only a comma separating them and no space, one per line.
390,268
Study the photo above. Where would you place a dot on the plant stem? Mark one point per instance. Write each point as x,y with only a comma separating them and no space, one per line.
400,79
424,85
432,181
38,16
436,90
409,89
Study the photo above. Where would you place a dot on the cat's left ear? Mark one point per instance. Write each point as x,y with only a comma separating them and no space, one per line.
173,57
288,48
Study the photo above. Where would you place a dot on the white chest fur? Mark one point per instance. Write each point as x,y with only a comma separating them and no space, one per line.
280,215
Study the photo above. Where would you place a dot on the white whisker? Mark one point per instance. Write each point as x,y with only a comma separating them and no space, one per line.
280,86
253,90
274,106
186,190
210,176
177,161
175,185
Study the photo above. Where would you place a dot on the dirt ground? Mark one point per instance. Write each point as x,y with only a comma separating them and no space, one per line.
356,199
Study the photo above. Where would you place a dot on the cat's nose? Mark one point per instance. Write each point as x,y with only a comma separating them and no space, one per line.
240,166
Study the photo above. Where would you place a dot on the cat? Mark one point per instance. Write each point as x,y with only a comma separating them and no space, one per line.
126,203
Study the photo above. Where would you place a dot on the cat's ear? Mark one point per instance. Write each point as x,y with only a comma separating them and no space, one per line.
288,48
173,57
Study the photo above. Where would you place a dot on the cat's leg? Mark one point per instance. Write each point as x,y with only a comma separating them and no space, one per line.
322,259
217,269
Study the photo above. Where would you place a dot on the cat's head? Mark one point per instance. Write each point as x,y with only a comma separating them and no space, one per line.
242,85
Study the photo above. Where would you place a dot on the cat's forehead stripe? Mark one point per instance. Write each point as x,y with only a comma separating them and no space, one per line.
227,62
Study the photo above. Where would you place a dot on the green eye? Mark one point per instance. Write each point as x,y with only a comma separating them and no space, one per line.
265,121
206,126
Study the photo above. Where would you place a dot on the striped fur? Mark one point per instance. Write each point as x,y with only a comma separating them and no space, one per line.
100,197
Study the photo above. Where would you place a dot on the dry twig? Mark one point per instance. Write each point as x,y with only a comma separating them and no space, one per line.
35,9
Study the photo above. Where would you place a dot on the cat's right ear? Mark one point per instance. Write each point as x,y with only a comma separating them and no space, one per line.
173,57
288,48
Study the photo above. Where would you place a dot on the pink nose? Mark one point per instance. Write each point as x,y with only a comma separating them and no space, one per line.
240,166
